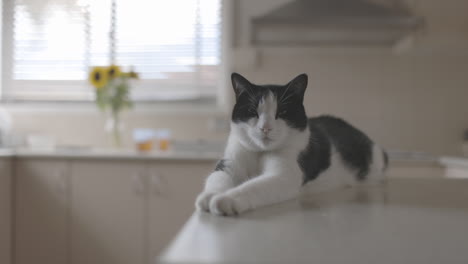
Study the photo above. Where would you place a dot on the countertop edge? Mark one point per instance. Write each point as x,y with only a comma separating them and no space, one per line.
109,154
445,161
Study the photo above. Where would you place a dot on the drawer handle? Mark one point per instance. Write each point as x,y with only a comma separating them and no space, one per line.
158,184
62,181
139,183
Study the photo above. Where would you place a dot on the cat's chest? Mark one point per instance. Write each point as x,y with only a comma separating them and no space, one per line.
256,164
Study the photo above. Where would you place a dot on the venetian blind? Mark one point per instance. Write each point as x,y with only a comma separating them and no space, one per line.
50,46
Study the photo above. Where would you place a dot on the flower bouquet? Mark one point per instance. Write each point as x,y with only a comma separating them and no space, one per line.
112,87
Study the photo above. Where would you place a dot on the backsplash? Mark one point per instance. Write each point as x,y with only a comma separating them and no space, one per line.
86,128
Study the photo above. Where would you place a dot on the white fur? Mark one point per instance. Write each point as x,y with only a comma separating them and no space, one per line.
261,166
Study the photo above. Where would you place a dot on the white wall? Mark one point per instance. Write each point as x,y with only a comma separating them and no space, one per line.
413,101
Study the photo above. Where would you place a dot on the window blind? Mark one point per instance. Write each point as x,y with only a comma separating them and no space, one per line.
174,45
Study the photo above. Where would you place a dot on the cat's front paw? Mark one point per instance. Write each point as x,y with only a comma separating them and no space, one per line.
203,201
223,204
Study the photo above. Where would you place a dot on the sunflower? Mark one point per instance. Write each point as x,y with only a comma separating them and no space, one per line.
114,71
133,75
98,77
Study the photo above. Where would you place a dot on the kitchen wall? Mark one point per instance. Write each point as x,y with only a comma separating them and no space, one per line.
415,100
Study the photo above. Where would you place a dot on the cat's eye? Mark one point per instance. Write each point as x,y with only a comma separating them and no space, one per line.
281,113
254,112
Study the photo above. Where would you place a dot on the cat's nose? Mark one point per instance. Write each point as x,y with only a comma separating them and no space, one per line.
266,129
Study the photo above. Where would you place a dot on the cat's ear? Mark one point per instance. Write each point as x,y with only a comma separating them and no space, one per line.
240,84
298,85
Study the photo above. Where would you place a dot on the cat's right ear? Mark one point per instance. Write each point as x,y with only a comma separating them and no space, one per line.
239,84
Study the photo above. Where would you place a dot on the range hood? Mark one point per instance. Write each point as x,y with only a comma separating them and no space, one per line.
335,23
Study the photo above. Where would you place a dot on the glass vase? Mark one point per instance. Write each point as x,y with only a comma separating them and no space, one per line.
114,129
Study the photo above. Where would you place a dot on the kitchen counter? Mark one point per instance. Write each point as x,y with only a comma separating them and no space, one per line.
455,167
92,153
454,162
6,152
186,153
406,221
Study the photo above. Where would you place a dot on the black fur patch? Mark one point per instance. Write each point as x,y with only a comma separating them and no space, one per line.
246,105
290,108
316,156
354,147
220,165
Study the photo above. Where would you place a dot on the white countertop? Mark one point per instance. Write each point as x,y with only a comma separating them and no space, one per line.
454,162
6,152
407,221
186,153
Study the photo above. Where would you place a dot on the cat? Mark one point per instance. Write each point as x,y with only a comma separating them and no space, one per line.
273,150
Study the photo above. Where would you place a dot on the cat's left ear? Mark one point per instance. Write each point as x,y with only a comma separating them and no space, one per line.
298,85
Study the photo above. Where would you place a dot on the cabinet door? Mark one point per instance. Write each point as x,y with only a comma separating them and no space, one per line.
173,189
5,210
108,216
41,209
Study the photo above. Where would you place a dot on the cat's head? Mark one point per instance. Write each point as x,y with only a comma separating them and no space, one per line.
265,116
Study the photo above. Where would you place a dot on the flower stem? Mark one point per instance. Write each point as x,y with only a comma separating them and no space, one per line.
116,129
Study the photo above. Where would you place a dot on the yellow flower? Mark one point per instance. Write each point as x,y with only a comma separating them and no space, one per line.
133,74
98,77
114,71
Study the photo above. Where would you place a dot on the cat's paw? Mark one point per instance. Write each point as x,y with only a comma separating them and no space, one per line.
223,204
202,202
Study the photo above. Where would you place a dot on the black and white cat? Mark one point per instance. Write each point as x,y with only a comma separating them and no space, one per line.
274,149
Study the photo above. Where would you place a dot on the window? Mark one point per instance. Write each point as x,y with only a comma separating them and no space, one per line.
49,47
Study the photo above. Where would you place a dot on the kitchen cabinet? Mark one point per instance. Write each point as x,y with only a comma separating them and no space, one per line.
41,211
173,189
107,222
113,211
5,210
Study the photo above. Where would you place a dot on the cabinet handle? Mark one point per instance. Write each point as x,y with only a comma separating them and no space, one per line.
62,183
139,183
158,184
61,186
